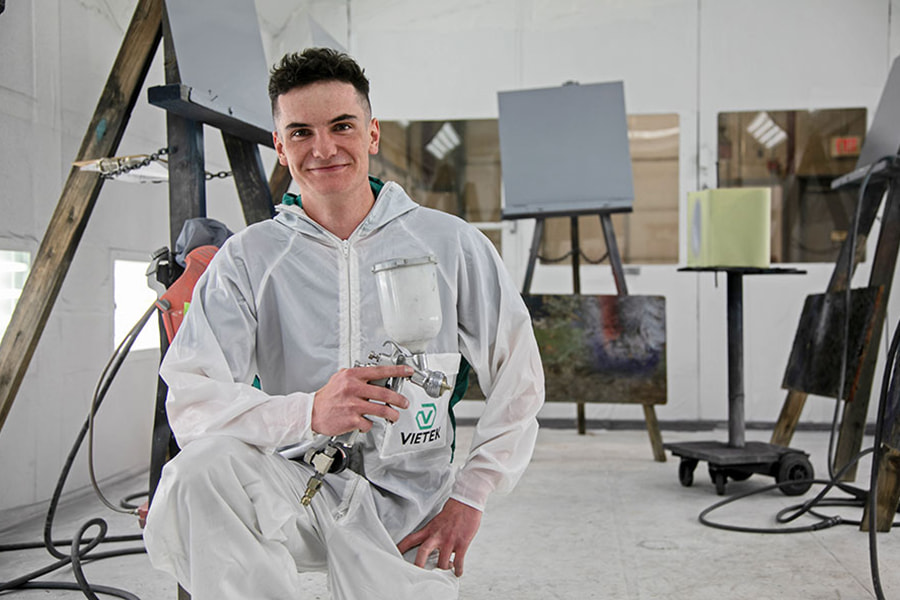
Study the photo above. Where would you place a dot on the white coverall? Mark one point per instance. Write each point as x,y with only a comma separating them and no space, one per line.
290,303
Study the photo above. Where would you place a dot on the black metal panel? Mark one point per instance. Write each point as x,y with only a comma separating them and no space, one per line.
814,366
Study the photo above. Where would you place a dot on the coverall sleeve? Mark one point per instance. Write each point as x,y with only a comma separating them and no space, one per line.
210,366
497,338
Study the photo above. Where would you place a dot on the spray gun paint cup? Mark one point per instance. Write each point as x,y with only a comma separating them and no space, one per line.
409,299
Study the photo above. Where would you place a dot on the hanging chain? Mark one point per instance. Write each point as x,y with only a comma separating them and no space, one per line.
110,168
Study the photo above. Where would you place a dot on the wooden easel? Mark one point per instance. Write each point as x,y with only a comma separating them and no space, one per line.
187,195
615,262
856,408
186,183
882,274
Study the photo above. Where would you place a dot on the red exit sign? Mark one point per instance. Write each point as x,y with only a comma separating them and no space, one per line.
846,145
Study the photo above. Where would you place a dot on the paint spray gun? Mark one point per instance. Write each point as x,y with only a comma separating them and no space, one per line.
411,308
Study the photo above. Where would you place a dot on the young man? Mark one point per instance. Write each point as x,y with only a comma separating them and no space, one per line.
264,360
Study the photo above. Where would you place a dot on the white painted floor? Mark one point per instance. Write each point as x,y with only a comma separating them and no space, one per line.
594,517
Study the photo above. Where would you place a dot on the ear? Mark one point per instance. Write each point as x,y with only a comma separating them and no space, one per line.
374,136
279,149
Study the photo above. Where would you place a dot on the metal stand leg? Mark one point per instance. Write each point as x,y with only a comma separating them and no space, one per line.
581,420
533,254
735,360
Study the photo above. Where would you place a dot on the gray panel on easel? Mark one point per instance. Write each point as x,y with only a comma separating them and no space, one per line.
565,150
220,57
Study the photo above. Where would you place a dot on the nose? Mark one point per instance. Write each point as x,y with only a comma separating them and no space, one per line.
324,147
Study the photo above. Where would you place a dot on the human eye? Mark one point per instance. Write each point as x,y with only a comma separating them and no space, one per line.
345,126
300,132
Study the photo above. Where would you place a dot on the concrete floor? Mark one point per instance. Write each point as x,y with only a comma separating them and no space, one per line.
594,517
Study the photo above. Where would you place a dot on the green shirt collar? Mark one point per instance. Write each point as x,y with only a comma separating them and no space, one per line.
294,199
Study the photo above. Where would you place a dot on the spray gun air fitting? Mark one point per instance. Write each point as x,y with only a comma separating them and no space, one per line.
411,309
433,382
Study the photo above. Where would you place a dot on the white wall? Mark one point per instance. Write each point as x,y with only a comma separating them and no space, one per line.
427,60
55,56
435,60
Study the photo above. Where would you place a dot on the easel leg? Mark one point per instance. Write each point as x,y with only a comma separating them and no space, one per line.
249,178
615,261
883,266
612,249
788,419
533,254
888,491
576,256
659,454
279,182
187,175
576,289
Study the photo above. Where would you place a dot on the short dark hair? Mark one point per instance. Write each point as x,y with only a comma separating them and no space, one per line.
313,65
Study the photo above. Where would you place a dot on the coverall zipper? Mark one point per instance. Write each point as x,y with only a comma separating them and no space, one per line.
345,251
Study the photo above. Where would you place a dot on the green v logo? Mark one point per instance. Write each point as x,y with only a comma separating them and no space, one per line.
425,417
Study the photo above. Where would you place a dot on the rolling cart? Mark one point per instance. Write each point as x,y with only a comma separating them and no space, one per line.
738,459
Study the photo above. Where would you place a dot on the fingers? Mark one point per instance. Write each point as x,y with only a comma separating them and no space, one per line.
448,558
450,532
382,394
379,393
350,401
373,373
451,553
367,410
457,564
411,541
424,552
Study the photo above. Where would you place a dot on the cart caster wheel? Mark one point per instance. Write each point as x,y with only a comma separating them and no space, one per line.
796,472
738,475
686,471
719,478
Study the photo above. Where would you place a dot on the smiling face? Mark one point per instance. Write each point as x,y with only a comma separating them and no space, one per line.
324,135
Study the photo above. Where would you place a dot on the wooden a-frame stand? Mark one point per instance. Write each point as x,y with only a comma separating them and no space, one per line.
187,197
186,181
615,262
856,408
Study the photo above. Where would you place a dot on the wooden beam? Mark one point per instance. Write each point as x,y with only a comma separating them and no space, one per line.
789,417
249,178
888,491
656,441
187,174
178,98
123,86
279,182
884,264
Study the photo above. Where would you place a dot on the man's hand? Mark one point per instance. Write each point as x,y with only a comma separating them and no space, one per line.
450,532
341,403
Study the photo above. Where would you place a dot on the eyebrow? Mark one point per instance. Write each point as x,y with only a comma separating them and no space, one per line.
338,119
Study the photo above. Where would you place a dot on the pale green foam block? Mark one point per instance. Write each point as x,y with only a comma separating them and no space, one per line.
730,227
